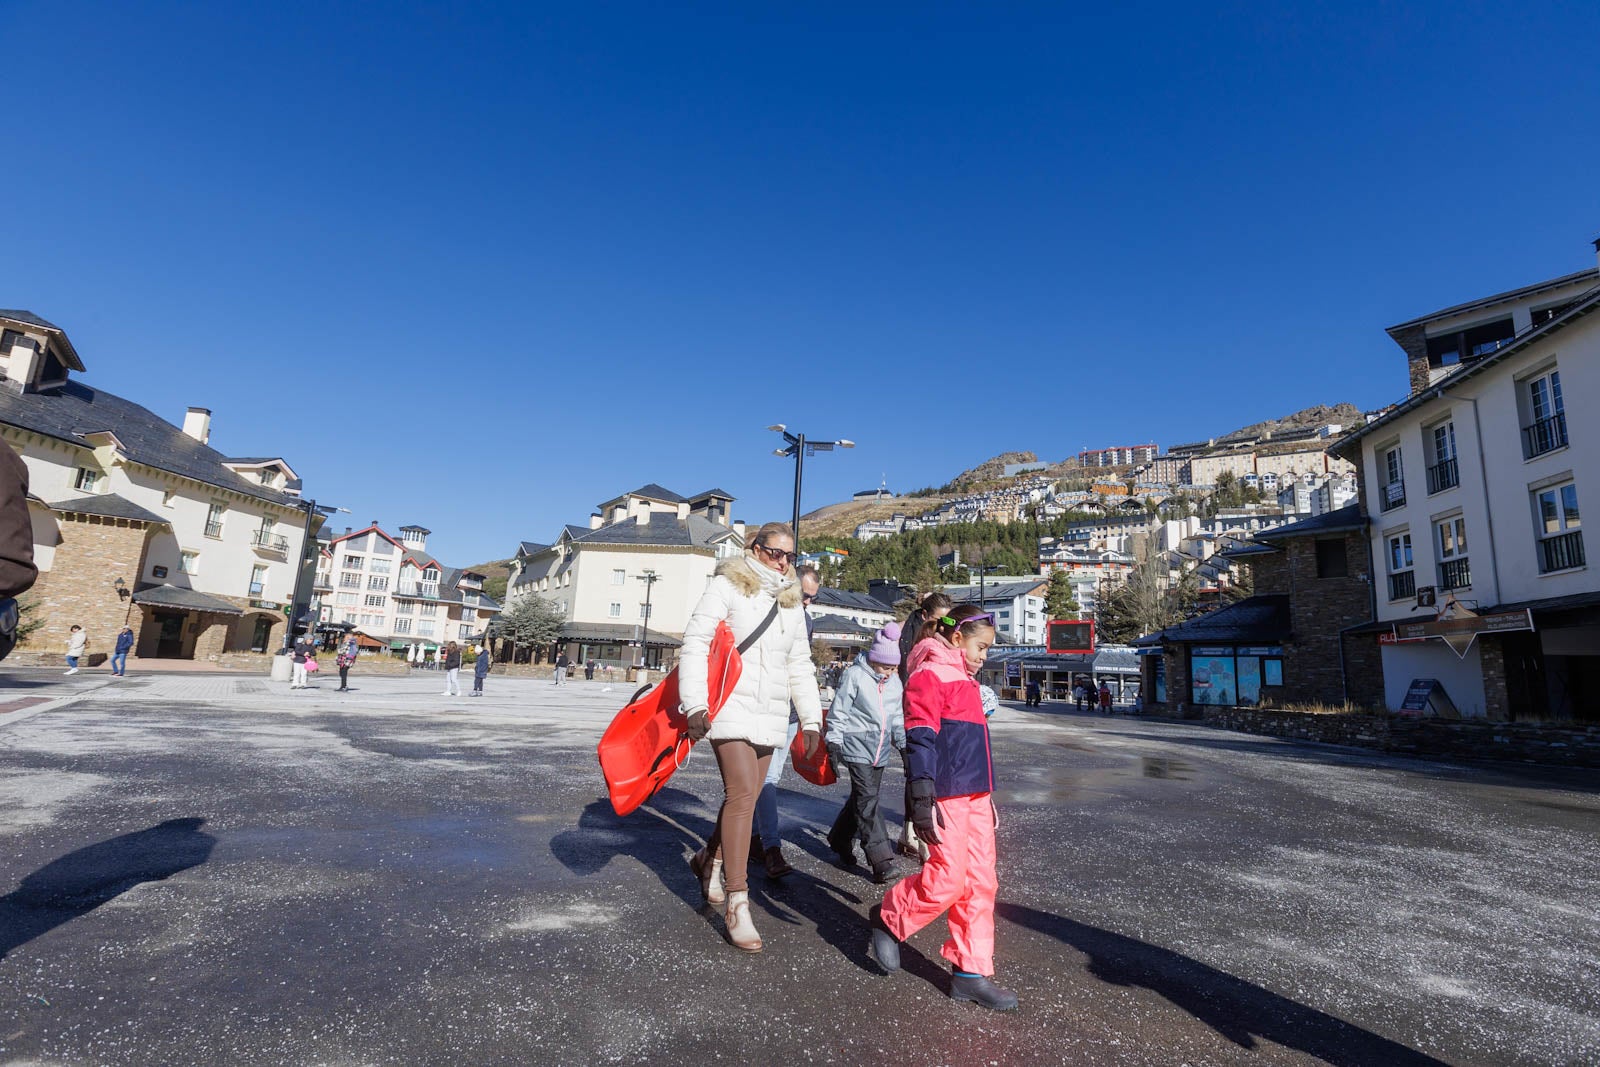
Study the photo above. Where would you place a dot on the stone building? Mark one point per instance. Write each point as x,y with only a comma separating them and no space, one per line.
139,521
1289,643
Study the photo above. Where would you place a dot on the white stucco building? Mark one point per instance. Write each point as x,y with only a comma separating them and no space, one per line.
1475,484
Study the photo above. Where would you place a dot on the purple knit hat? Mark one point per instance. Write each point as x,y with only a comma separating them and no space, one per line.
886,646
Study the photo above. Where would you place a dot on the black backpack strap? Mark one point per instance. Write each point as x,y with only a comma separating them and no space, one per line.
755,635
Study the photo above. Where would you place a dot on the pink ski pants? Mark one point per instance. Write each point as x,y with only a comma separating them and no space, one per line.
960,876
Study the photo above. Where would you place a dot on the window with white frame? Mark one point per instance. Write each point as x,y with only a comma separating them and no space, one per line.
404,607
354,563
1559,527
189,562
1442,469
645,610
428,609
258,579
425,628
619,577
614,611
349,581
377,581
1391,470
345,600
1450,547
375,600
402,626
214,519
466,632
381,565
1402,578
1547,419
430,574
88,480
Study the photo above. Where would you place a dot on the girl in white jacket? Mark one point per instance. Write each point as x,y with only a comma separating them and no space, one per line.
754,722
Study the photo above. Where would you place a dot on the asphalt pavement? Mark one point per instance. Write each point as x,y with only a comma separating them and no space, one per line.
212,869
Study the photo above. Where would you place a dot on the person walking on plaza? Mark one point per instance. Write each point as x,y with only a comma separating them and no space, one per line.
952,786
758,595
345,660
866,724
1105,699
562,663
588,670
452,670
77,645
768,843
480,670
119,652
1034,693
304,650
1080,694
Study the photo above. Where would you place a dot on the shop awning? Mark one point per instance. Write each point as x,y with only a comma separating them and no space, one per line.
172,596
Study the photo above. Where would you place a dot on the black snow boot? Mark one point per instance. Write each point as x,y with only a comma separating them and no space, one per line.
982,992
885,948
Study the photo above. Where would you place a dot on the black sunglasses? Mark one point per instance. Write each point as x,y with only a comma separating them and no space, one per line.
778,553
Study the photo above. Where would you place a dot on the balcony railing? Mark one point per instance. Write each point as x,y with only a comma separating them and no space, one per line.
270,542
1545,435
1402,586
1443,475
213,529
1455,574
1394,496
1561,552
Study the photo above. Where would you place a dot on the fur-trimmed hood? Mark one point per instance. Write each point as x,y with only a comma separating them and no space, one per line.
749,578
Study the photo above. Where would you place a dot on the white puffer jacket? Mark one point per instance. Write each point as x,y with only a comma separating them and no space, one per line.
777,668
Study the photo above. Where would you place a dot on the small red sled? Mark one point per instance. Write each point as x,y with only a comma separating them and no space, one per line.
646,743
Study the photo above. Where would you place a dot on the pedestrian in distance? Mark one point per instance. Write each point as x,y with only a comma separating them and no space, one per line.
952,786
767,842
480,670
588,670
758,595
452,670
119,652
1035,694
1105,699
304,650
560,672
345,660
865,725
77,646
1080,694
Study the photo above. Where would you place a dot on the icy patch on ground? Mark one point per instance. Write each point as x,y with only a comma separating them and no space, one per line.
567,917
32,799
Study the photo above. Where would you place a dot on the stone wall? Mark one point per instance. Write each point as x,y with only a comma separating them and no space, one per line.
1413,339
1318,609
94,552
1570,745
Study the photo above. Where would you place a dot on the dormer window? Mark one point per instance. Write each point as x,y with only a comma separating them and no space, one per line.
88,480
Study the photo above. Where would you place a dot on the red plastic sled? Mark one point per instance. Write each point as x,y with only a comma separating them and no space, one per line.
646,743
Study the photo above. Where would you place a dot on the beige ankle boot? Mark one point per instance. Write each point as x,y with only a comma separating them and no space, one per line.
741,930
709,871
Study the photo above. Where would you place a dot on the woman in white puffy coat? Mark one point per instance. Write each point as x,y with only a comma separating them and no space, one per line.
753,725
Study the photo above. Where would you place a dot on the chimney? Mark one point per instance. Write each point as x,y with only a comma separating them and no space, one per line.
596,521
347,531
197,424
738,531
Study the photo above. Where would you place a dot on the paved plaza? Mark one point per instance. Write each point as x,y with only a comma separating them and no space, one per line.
212,869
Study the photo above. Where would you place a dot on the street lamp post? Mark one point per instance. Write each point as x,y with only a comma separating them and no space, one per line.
983,573
649,578
800,448
312,510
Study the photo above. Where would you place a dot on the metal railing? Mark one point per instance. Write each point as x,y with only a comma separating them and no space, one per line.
1455,574
213,529
1443,475
270,541
1402,586
1393,496
1544,435
1561,552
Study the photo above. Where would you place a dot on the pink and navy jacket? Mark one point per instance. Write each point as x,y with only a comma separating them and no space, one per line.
947,735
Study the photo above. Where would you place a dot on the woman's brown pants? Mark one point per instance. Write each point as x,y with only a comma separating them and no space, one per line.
744,768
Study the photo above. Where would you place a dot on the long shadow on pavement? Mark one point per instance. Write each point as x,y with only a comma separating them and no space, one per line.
1234,1008
82,880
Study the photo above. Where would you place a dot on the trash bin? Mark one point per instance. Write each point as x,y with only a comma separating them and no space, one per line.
282,666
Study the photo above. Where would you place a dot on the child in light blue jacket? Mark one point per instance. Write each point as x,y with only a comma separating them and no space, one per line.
865,725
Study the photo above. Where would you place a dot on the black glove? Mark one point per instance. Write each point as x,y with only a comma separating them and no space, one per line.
699,724
924,811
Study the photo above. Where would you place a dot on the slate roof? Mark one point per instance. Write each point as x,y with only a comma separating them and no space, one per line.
997,591
712,492
172,596
693,532
1346,518
838,624
75,409
656,492
111,506
531,548
1257,620
830,597
28,318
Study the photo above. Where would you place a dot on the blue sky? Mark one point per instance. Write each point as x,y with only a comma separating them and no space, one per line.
483,268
